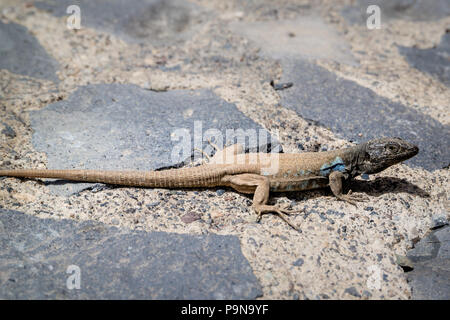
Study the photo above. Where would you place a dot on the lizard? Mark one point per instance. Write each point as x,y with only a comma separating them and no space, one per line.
257,173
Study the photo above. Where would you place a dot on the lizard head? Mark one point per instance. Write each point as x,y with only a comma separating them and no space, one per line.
380,154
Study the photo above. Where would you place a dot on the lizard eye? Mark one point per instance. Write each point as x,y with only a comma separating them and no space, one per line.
391,148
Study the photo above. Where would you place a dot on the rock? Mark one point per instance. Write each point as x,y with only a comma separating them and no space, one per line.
220,192
120,127
36,255
153,204
190,217
412,10
430,279
404,262
352,291
434,61
358,109
299,262
438,221
8,131
314,39
21,53
160,22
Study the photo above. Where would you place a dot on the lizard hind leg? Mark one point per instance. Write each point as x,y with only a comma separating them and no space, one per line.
260,186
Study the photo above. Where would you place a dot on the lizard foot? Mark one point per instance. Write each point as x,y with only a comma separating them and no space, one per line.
281,211
352,198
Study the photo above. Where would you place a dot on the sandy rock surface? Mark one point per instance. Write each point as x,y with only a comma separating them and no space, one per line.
342,251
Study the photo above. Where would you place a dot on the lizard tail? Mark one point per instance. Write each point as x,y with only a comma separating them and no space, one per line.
174,178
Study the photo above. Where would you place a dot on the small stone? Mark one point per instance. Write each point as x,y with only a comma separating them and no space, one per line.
299,262
190,217
8,131
438,221
153,204
220,192
365,176
352,291
404,262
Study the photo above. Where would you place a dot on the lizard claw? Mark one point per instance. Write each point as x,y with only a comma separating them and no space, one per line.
353,198
281,211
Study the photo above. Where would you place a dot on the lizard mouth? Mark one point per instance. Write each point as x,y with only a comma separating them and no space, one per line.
410,152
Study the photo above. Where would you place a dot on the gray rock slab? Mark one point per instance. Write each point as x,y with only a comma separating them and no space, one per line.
21,53
153,21
308,37
412,10
120,127
434,61
35,255
430,278
349,109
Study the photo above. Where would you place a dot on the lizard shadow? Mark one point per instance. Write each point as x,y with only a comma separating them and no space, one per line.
382,185
375,188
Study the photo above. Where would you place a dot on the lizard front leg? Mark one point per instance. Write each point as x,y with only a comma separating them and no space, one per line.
260,186
335,183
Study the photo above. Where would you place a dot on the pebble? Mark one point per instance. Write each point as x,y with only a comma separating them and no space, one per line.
190,217
438,220
299,262
8,131
352,291
153,204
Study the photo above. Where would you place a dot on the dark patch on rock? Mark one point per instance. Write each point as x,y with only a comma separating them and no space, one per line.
8,131
124,127
21,53
434,61
411,10
349,110
438,221
153,204
430,278
160,22
190,217
117,264
299,262
352,291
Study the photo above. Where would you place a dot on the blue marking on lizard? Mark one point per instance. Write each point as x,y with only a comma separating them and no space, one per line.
336,165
